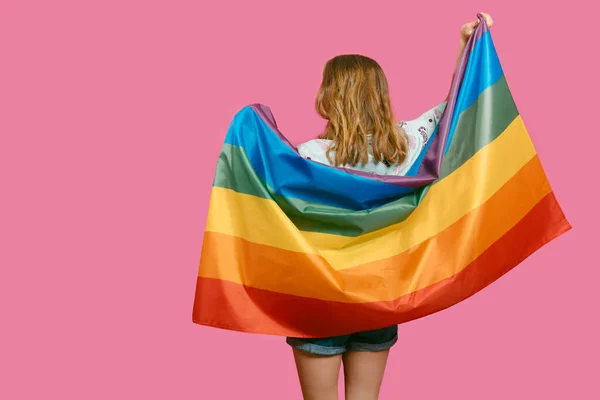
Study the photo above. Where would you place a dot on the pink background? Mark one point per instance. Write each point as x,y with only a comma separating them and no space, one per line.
112,114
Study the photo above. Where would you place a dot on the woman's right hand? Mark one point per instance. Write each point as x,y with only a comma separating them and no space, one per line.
468,28
465,33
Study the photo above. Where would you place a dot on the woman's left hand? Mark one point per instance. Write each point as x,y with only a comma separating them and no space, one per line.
468,28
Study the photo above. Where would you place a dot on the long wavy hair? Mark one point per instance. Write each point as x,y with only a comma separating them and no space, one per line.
354,99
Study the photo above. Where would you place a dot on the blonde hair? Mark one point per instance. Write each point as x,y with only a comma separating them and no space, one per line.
354,99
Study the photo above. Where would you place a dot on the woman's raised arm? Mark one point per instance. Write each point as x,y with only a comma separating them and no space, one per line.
465,32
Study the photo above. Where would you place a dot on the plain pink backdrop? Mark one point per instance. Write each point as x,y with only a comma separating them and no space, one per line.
112,114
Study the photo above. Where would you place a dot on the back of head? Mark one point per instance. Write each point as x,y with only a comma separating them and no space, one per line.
354,99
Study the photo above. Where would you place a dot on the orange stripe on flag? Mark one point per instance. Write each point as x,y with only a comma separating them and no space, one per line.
265,267
231,305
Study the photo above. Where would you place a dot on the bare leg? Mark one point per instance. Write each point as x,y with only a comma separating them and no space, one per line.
318,375
363,373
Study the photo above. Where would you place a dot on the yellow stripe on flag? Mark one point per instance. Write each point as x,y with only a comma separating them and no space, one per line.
261,221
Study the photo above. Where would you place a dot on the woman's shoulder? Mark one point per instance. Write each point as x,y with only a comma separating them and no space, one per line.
322,144
314,149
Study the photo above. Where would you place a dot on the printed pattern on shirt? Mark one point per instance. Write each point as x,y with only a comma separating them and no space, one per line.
418,132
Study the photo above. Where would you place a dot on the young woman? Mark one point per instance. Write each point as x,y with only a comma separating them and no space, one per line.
360,133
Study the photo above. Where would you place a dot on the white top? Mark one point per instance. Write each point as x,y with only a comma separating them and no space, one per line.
418,131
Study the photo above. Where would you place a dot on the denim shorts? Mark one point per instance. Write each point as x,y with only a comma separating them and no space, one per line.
375,340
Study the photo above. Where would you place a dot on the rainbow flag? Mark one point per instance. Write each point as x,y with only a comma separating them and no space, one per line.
297,248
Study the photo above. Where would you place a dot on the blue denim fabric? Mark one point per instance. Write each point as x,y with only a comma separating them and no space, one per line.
375,340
